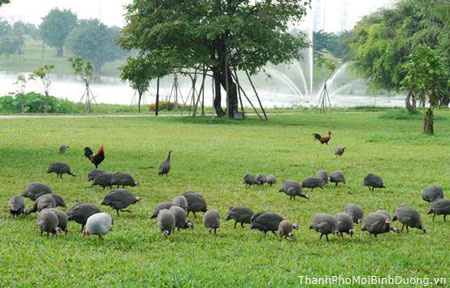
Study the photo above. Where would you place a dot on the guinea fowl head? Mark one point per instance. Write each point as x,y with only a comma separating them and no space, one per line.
137,199
189,224
295,226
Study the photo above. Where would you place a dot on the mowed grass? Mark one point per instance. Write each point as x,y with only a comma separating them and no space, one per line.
211,156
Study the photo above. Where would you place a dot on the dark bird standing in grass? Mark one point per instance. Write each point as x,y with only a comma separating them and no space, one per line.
164,168
345,224
377,223
373,181
240,214
104,180
63,148
120,199
97,158
409,218
339,151
285,229
45,201
123,179
58,200
211,220
440,207
62,219
322,175
325,224
261,179
181,221
432,193
323,139
271,180
16,205
94,173
266,221
292,188
356,212
196,202
337,177
59,169
48,222
249,180
166,222
312,183
159,207
181,201
35,190
81,212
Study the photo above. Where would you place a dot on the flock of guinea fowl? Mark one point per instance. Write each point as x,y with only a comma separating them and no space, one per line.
174,215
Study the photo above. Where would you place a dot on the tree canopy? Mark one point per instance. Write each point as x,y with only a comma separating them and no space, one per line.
3,2
220,36
11,38
56,26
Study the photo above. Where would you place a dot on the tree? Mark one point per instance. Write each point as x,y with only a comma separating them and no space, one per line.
136,73
21,84
56,26
43,74
3,2
427,74
95,42
11,38
221,35
85,70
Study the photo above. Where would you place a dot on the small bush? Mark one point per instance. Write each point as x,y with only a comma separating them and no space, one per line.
169,106
33,103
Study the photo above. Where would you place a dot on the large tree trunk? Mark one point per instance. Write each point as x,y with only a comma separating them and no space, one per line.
60,51
218,96
428,121
157,98
410,101
232,95
139,101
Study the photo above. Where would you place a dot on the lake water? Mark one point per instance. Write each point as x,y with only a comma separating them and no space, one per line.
273,93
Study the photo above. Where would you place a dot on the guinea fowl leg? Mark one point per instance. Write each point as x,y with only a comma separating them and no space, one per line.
434,216
445,216
195,216
41,233
274,232
320,236
326,235
117,210
402,228
407,230
242,224
235,223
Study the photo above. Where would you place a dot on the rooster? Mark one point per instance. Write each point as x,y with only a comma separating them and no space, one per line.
323,139
97,158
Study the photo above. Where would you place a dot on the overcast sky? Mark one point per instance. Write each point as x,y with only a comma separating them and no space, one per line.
111,12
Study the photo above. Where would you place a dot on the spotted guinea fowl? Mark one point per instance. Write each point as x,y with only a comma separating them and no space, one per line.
120,199
58,200
249,180
98,224
285,229
60,169
261,179
325,224
211,220
181,220
271,180
345,224
440,207
166,222
35,190
47,222
266,221
312,183
337,177
373,181
63,148
165,166
123,179
322,175
45,201
409,217
62,219
377,223
81,212
103,180
240,214
339,151
94,173
159,207
292,188
354,211
181,201
196,202
432,193
16,205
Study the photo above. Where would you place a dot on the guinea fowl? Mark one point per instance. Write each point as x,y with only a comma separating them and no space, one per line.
409,218
81,212
58,200
377,223
285,229
432,193
322,175
211,220
47,222
97,158
120,199
16,206
249,180
345,224
337,177
62,219
271,180
373,181
35,190
123,179
63,148
266,221
196,202
94,173
339,151
292,189
240,214
325,224
104,180
166,222
164,168
98,224
261,179
312,183
354,211
60,169
440,207
181,221
45,201
159,207
323,139
181,201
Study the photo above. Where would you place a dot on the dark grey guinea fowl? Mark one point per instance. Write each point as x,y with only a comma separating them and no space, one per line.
322,175
266,221
249,180
440,207
58,200
166,222
62,219
325,224
181,201
377,223
271,180
409,218
45,201
63,148
35,190
196,202
120,199
432,193
337,177
164,168
345,224
47,222
292,188
104,180
60,168
261,179
211,220
285,229
123,179
373,181
240,214
312,183
339,151
356,212
16,205
94,173
159,207
81,212
181,220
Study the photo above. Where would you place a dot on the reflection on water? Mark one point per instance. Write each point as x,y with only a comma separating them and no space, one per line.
273,92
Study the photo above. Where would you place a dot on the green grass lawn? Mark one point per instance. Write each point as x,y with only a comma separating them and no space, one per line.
211,156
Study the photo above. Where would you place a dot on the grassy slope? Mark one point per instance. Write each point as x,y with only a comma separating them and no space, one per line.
211,156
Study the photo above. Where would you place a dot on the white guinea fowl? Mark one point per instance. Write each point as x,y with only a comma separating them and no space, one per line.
98,224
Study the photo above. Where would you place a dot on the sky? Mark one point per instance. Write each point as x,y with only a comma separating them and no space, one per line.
111,12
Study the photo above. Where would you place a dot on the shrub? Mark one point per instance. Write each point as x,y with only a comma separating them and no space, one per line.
33,103
169,106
